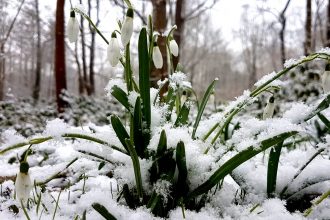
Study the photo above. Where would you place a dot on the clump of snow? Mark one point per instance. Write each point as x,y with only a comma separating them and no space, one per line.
56,128
10,137
132,96
268,77
292,62
162,187
298,112
325,50
179,80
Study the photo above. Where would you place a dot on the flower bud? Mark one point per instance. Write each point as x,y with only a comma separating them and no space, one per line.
113,51
269,109
127,27
23,183
326,79
72,28
174,48
157,57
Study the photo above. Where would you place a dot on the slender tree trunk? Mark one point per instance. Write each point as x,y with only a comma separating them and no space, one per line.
179,21
80,78
328,26
2,71
282,20
60,72
160,22
308,28
83,48
36,89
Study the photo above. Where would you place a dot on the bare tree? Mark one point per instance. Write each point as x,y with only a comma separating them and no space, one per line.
308,28
282,20
36,88
60,71
3,42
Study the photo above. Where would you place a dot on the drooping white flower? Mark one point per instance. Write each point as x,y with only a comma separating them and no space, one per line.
326,79
174,48
269,109
127,27
23,183
113,51
157,57
72,28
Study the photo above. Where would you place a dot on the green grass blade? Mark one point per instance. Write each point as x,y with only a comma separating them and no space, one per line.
182,187
202,106
182,118
235,161
137,169
121,96
120,130
137,129
144,71
170,100
103,211
273,160
322,106
324,119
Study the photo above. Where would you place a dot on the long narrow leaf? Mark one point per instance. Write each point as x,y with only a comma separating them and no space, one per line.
144,72
120,130
235,161
182,187
121,96
137,129
103,211
137,169
202,106
324,119
273,160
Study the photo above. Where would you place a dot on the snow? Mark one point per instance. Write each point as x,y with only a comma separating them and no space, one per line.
179,80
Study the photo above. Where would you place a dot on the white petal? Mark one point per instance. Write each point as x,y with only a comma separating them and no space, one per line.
72,29
326,81
174,48
113,52
23,186
126,30
268,111
157,58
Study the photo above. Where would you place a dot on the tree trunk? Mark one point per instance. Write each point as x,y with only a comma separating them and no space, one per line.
2,71
179,21
308,28
36,89
160,22
328,26
83,48
60,73
282,20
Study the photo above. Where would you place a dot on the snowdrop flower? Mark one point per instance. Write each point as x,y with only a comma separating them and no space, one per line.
157,57
113,51
174,48
127,27
72,28
269,109
23,184
326,79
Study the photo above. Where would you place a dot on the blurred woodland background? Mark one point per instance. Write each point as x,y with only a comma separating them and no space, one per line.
37,61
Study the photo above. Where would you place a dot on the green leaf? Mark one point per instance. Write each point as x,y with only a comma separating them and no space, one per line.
182,118
137,129
129,198
144,71
202,106
182,187
120,130
137,169
273,160
103,211
170,100
162,144
235,161
322,106
101,165
324,120
121,96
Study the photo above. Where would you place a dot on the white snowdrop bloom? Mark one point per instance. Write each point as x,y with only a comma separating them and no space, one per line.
23,183
127,27
174,48
269,109
72,28
326,79
113,51
157,57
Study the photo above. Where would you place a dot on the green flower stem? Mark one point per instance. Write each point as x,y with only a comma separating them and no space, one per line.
171,70
317,202
67,135
236,109
91,23
128,72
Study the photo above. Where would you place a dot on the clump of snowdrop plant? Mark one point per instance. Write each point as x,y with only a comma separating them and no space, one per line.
175,175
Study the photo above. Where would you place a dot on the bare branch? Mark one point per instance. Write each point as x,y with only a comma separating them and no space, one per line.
118,3
199,9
